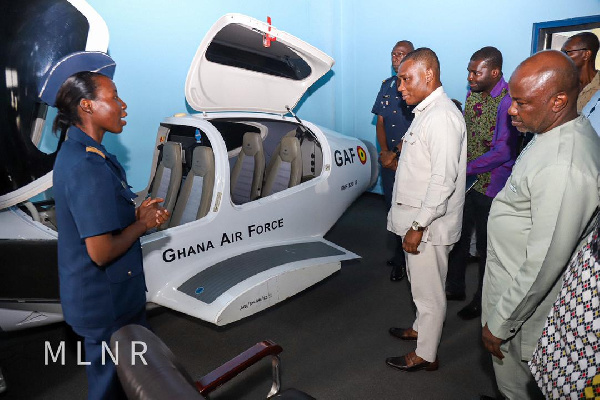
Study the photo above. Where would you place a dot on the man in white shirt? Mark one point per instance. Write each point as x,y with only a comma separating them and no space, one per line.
427,206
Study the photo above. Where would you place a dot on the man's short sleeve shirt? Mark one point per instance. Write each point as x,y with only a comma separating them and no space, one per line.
397,115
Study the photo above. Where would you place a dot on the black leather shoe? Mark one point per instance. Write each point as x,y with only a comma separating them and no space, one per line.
410,363
470,311
455,296
404,333
398,273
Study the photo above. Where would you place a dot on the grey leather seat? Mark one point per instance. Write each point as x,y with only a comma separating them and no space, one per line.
249,169
285,166
312,159
167,179
195,196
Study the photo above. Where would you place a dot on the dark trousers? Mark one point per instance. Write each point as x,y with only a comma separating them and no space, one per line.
399,258
475,215
387,183
103,382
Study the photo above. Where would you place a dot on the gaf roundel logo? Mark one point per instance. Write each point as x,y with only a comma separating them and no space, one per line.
362,154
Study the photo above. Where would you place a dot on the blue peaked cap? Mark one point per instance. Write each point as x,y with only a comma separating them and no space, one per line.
93,61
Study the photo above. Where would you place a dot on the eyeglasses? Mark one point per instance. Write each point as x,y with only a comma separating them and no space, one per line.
399,54
567,52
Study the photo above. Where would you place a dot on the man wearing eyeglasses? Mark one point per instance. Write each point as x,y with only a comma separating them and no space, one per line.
393,119
582,48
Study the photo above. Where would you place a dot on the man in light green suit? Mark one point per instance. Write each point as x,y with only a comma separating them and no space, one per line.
539,217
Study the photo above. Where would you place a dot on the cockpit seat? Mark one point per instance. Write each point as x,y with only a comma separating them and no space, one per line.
163,376
196,193
168,177
312,158
285,167
249,169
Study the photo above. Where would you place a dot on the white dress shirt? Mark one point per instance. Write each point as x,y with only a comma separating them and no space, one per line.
431,173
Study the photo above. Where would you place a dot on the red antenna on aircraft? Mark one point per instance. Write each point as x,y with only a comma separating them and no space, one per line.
267,38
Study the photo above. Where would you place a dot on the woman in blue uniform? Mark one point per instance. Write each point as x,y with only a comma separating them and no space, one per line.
102,284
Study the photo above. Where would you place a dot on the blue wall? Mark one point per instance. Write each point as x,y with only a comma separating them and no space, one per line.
154,41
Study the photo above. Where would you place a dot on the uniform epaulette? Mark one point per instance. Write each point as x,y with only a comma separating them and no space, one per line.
92,149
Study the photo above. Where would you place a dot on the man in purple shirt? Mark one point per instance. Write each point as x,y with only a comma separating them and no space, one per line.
491,153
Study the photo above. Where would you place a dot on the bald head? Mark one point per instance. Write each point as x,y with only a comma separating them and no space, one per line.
544,90
550,71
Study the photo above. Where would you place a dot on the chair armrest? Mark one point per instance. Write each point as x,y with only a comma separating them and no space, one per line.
233,367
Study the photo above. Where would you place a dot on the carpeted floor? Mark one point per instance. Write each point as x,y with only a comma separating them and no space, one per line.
334,335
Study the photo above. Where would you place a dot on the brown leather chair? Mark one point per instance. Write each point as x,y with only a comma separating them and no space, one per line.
165,378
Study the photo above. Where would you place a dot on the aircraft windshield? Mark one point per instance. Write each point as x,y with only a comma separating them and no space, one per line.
240,47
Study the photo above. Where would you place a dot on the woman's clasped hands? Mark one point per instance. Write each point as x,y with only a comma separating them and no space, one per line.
151,213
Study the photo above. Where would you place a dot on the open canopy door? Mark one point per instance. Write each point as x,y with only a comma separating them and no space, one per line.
244,64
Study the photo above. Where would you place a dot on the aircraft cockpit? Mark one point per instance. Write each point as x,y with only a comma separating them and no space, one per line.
264,157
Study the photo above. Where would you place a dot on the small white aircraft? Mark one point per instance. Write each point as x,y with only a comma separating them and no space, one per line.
251,190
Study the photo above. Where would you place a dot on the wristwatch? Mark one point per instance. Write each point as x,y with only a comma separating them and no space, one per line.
396,152
416,227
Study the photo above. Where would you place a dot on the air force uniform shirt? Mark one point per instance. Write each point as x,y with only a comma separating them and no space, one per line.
93,198
396,114
397,117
